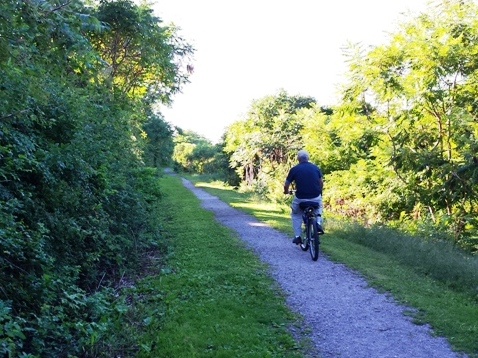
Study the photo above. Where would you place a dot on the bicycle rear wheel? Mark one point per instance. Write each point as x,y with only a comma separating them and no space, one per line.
313,239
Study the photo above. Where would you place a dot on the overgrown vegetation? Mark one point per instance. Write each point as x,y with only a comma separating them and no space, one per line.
196,154
77,204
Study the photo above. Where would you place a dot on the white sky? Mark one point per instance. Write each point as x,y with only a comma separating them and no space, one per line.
249,49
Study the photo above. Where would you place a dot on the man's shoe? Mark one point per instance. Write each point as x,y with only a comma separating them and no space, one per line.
320,231
297,240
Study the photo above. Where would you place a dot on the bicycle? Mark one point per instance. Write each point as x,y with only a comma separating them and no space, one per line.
310,227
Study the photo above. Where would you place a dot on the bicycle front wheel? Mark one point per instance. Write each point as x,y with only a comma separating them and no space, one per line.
313,239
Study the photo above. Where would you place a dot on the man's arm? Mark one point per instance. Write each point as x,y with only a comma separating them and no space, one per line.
286,187
321,184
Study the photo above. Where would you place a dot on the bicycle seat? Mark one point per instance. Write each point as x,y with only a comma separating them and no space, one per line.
305,204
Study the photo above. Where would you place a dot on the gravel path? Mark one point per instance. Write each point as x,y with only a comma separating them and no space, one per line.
349,319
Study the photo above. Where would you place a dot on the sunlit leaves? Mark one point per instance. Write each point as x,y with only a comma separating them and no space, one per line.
142,57
422,88
262,145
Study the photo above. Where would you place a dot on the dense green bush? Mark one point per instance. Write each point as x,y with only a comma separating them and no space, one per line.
77,203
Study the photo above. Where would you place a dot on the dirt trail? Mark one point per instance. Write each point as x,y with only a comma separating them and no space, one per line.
348,319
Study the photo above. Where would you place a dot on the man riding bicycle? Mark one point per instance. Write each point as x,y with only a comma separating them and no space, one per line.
308,183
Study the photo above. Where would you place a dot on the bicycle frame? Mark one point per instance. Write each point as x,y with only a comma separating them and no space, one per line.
311,237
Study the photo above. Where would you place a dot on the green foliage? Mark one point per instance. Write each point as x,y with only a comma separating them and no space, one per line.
401,146
159,142
415,85
77,205
141,57
10,331
263,145
195,154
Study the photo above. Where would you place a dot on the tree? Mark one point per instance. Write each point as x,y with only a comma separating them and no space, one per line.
265,141
419,86
159,141
193,153
140,56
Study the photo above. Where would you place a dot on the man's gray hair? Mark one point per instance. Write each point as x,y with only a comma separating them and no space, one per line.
302,155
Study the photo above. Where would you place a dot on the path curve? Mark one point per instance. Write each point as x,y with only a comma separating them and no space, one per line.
349,318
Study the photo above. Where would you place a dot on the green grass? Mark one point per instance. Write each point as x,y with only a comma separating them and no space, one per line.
213,297
437,281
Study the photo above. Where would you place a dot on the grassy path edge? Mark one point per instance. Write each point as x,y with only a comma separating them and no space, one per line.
214,297
451,314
